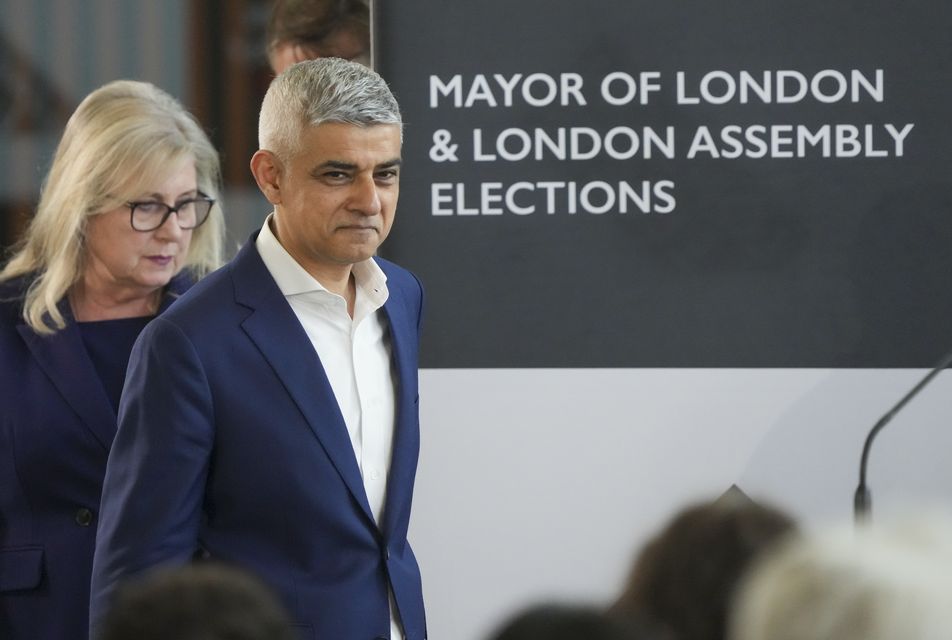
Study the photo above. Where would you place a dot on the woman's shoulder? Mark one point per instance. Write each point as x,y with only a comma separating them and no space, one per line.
12,293
16,286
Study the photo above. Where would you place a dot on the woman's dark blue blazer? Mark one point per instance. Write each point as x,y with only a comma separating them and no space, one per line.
56,427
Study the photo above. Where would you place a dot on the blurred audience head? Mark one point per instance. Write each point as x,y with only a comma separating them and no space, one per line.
196,602
317,91
307,29
566,622
683,579
871,582
123,140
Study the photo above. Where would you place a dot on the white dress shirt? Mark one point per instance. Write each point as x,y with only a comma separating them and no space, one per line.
356,356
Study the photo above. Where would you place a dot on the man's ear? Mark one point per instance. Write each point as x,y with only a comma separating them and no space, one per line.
266,168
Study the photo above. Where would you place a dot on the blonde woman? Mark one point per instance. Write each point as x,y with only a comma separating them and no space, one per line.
127,220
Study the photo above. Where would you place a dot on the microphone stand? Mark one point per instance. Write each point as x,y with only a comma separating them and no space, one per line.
862,499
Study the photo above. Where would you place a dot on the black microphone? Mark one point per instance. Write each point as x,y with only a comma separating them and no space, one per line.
862,500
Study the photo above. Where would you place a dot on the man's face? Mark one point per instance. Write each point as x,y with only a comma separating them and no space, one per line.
336,198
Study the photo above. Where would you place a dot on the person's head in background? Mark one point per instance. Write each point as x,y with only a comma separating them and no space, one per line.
196,602
682,580
306,29
102,230
870,582
566,622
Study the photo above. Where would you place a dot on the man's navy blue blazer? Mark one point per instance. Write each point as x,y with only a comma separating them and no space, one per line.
231,445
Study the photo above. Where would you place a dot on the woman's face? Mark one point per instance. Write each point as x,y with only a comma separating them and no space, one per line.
124,263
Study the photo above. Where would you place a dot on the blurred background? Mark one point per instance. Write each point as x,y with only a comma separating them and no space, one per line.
210,54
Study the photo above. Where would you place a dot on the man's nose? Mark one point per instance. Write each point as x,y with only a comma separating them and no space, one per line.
365,197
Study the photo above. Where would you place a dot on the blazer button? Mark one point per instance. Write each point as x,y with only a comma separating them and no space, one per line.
84,517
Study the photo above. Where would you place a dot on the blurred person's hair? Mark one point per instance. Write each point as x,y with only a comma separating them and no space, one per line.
556,621
683,579
313,92
122,140
873,582
312,24
202,601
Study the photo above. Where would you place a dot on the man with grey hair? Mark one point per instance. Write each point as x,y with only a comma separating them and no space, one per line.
270,418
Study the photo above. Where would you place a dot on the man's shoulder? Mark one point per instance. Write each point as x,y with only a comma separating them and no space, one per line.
210,301
204,317
397,275
223,294
203,297
404,290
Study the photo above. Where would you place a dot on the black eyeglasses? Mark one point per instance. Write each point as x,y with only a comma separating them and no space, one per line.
149,215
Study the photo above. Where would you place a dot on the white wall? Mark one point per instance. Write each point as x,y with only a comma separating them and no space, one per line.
536,484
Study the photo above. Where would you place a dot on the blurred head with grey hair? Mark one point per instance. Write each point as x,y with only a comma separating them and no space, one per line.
869,582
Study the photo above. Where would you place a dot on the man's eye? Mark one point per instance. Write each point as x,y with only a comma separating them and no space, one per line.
390,174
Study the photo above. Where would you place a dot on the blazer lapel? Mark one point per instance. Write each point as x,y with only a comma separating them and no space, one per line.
406,439
63,358
276,331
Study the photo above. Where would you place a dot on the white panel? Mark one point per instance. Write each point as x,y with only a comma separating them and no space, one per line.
544,483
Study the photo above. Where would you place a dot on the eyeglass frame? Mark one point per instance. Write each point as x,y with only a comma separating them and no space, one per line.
201,197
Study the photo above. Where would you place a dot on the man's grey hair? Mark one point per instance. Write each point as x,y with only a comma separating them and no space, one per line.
323,90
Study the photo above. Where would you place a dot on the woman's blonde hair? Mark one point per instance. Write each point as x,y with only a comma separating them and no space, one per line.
122,139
